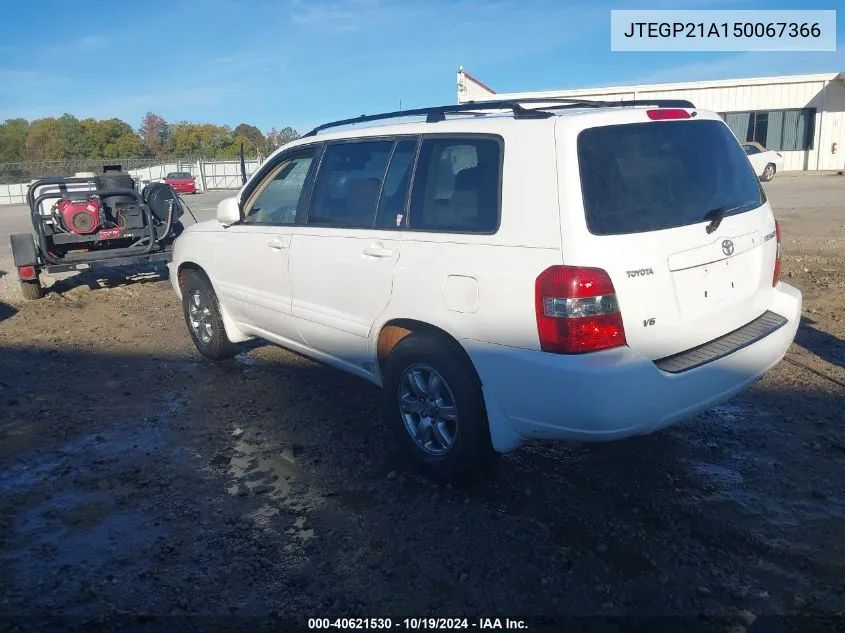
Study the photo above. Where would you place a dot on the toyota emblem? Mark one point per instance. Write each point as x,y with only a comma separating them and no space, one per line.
727,247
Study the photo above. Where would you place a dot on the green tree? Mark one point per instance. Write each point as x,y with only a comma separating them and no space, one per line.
67,137
252,137
233,150
42,140
113,138
13,140
129,145
199,139
183,140
72,139
277,138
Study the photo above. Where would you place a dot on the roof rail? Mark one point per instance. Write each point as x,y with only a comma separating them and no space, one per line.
660,103
436,114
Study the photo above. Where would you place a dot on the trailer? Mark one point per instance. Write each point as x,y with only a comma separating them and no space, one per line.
91,221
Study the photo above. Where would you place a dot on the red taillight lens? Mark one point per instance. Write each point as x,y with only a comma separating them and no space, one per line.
577,311
776,275
27,272
667,113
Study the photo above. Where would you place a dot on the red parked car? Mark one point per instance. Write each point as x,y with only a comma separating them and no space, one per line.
181,181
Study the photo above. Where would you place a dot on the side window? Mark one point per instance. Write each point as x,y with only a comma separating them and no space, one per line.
348,184
456,186
279,200
393,203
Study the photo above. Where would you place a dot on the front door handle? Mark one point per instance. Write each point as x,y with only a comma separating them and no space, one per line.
378,250
277,244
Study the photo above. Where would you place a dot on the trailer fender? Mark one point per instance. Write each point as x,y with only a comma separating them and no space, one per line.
24,251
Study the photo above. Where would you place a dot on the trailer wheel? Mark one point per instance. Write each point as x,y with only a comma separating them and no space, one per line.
32,289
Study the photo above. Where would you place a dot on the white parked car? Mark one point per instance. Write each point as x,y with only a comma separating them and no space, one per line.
572,271
766,162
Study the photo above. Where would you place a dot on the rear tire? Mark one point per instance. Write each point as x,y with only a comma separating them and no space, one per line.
32,289
420,411
203,318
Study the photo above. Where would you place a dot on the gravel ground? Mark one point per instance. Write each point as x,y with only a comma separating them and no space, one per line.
148,489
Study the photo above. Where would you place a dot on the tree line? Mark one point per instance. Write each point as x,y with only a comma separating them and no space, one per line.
67,137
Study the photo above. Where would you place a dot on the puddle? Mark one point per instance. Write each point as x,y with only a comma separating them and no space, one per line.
149,436
79,528
272,474
300,529
261,471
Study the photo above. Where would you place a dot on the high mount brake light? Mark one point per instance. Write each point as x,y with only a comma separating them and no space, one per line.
577,310
663,114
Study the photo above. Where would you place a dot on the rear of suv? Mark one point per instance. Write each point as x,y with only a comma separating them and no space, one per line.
564,270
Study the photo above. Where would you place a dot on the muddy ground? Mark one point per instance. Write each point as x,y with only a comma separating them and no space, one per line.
145,488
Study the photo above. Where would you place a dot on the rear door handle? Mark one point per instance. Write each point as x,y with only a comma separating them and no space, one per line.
377,250
277,244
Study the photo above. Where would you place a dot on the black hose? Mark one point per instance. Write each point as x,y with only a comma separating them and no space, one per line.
188,208
168,223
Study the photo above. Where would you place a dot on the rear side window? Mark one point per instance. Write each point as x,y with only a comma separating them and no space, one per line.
348,184
456,185
661,175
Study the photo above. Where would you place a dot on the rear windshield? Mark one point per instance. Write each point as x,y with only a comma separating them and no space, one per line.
179,175
661,175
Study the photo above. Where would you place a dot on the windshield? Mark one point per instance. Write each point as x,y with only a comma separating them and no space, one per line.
661,175
178,175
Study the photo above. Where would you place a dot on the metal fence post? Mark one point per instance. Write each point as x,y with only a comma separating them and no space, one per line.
201,170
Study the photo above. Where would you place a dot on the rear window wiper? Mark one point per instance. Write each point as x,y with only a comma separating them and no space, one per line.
715,216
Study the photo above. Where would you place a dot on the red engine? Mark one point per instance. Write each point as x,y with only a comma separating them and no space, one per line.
80,216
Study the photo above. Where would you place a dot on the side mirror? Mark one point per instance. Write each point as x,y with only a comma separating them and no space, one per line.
228,212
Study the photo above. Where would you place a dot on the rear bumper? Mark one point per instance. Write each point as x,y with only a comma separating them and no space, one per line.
617,393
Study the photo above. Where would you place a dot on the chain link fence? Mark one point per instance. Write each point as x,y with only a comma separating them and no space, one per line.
24,172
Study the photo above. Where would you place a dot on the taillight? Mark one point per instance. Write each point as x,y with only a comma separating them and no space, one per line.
577,311
776,276
667,113
27,272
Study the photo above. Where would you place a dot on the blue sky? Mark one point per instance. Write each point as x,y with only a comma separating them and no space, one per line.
301,62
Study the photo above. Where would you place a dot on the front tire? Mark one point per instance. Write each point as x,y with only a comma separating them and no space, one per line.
433,401
203,318
768,172
32,290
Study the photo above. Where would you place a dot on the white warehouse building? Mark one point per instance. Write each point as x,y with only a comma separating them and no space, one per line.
800,116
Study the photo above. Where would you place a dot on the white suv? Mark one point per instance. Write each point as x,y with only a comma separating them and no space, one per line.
566,270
